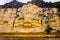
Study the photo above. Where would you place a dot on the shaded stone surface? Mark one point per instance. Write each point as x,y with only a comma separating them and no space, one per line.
29,38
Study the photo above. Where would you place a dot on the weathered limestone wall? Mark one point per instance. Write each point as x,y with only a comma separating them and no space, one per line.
29,18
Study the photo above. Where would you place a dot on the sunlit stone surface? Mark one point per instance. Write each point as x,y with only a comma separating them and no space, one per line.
28,19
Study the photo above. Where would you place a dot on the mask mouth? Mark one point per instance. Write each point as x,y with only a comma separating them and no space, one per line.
21,19
5,21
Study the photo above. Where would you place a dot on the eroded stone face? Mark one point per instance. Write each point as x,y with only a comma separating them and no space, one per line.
28,18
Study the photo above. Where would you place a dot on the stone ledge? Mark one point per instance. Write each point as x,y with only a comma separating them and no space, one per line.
41,35
29,38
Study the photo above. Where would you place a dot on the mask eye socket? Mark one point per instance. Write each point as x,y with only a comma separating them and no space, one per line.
17,16
47,13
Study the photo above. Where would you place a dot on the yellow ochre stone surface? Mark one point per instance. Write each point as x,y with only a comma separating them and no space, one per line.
29,18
